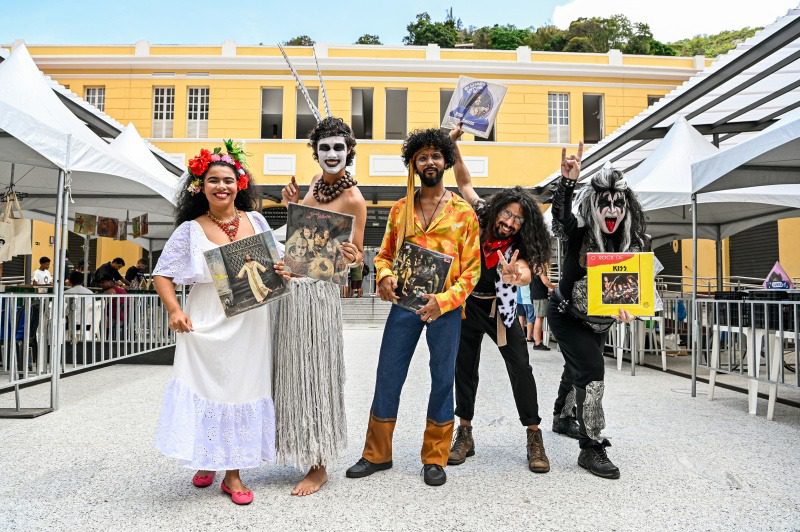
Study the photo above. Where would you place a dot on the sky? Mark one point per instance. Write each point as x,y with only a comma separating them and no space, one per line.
269,21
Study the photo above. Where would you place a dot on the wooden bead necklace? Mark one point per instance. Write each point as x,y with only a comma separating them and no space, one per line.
325,193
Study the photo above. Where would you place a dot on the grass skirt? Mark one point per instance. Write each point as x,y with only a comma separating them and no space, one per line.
308,386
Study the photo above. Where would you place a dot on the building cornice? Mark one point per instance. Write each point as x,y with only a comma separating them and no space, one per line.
266,65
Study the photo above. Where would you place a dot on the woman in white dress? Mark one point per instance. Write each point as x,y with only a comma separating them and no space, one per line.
217,413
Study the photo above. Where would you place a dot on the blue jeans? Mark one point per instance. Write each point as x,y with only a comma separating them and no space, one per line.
400,336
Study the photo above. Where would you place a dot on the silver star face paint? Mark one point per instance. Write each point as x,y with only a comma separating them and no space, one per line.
332,154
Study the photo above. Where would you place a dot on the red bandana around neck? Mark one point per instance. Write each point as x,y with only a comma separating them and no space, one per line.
490,249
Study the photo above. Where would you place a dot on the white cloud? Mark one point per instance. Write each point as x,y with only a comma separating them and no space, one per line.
671,20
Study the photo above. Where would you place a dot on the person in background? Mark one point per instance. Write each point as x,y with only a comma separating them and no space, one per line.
111,269
540,289
76,284
135,274
525,311
42,276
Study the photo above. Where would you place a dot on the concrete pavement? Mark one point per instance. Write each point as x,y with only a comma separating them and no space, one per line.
687,463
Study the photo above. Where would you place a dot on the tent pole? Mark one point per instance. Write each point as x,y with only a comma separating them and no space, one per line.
718,248
55,348
694,315
86,245
150,256
60,254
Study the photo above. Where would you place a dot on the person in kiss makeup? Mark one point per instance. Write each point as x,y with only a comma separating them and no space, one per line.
309,366
217,413
607,218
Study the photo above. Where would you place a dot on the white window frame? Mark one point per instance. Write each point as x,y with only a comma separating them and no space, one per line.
163,111
95,96
197,107
558,117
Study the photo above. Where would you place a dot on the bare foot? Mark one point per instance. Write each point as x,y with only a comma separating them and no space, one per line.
316,477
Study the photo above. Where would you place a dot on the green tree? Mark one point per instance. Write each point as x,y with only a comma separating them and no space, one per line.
368,38
579,44
508,37
423,31
300,40
713,45
548,38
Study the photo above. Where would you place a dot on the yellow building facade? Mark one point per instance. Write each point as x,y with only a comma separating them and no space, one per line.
183,98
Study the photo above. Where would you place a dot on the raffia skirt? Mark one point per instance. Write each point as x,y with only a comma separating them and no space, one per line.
308,369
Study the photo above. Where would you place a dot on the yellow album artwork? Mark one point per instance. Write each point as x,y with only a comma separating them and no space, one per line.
620,280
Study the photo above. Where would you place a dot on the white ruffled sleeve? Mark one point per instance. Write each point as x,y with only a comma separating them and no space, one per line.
182,259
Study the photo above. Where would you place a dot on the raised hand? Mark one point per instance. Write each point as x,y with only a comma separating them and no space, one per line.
456,133
290,193
509,270
571,166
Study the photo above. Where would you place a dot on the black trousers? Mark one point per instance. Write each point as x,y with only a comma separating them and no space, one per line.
582,349
514,353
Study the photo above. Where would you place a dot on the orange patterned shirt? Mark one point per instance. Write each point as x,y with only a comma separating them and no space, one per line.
454,232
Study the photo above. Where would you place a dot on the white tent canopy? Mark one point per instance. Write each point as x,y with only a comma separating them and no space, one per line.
664,179
36,128
663,184
769,157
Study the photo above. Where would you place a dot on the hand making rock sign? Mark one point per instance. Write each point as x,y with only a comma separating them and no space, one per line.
571,166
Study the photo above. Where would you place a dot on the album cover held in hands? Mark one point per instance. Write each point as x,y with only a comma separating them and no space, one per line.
244,274
419,271
314,240
620,281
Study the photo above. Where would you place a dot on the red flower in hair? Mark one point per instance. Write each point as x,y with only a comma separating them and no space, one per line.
198,165
243,182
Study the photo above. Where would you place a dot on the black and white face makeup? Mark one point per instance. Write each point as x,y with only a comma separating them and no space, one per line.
332,154
609,211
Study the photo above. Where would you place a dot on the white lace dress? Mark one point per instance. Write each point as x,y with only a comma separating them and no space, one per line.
217,412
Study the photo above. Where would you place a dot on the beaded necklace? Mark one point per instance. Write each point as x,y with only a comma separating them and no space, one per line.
229,227
325,193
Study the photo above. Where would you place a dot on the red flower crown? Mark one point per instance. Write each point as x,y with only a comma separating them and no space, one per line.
235,156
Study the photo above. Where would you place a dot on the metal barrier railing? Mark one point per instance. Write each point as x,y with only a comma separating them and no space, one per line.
739,337
98,329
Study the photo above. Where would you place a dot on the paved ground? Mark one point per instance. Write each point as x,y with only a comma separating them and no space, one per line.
687,463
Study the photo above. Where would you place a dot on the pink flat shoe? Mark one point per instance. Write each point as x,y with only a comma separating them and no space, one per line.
203,481
238,497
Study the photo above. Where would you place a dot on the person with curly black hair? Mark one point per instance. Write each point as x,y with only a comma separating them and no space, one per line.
309,374
439,220
223,366
514,241
607,218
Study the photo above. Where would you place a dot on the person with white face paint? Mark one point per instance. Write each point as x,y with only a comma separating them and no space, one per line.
309,373
607,217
